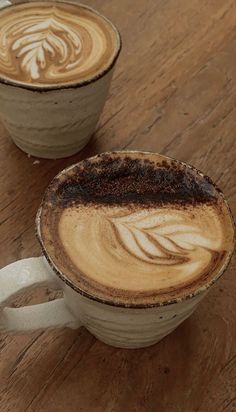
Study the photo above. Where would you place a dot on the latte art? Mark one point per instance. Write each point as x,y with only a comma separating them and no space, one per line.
135,231
142,250
50,36
50,43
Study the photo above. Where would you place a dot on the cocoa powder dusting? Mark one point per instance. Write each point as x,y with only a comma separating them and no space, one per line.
124,180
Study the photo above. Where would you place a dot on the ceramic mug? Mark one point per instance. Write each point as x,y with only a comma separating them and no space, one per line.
54,121
120,326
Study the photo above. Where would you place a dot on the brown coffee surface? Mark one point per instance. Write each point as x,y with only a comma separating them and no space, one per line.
46,43
136,228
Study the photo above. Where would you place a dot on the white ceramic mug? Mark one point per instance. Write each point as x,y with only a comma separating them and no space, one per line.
58,121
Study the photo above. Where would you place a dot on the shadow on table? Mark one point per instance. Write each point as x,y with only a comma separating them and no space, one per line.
91,376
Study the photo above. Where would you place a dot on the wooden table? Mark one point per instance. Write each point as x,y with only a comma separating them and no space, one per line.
174,92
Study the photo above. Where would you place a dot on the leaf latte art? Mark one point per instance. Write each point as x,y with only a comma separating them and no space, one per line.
153,240
50,43
35,42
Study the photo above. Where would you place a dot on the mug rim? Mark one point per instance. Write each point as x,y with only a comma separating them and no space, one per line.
110,302
75,84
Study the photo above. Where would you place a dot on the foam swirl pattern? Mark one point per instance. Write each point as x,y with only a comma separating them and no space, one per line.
54,43
142,251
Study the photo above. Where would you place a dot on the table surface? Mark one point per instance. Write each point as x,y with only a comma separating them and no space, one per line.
173,92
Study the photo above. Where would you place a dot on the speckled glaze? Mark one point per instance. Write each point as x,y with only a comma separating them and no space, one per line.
54,121
128,327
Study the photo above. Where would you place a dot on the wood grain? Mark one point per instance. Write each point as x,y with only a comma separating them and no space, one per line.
174,92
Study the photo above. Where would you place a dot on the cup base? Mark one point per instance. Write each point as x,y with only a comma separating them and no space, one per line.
131,343
51,152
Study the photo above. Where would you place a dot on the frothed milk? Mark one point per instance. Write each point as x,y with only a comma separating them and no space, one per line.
46,43
135,229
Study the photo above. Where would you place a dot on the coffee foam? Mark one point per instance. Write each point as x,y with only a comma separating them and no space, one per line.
150,230
46,43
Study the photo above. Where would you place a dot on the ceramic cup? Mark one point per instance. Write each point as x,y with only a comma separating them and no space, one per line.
54,121
120,326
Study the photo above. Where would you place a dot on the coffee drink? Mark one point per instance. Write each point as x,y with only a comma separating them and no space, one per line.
56,64
48,43
136,239
135,228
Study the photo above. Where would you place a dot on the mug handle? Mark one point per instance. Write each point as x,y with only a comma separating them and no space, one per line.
29,274
4,3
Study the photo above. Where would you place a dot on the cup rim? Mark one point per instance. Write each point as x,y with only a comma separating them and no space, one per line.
75,84
110,302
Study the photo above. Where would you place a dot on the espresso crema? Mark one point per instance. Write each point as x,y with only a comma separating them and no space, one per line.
50,43
135,229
